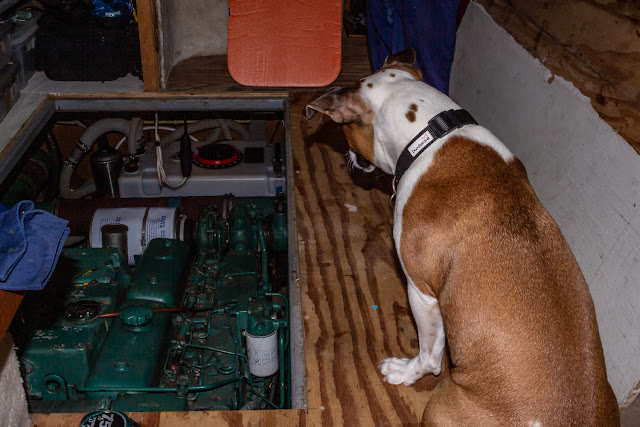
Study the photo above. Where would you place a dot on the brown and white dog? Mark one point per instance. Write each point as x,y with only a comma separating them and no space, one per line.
487,267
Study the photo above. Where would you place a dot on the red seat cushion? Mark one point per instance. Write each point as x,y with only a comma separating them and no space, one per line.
284,42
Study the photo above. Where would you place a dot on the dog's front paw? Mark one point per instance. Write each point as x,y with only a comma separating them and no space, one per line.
401,371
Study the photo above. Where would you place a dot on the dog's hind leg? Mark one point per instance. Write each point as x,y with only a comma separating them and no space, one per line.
426,311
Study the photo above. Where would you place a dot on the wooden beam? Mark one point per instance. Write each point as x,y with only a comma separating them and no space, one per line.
9,302
285,417
149,45
604,82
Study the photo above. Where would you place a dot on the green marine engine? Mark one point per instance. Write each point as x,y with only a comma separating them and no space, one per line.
190,327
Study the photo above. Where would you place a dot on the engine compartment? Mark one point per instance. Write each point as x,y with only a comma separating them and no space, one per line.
186,328
191,312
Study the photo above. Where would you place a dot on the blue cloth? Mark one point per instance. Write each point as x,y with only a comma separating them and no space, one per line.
429,26
30,243
112,8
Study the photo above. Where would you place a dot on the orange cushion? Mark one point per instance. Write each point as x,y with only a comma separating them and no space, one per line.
284,42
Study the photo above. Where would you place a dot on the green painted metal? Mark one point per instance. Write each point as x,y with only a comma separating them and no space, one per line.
174,338
279,224
160,272
136,315
55,349
124,360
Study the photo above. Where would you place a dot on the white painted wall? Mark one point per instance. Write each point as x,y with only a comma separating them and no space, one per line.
190,28
585,174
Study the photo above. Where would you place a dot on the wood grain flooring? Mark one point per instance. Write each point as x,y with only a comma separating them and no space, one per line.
355,304
182,419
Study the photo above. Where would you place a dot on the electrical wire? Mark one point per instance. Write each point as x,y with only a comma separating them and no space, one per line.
162,176
273,135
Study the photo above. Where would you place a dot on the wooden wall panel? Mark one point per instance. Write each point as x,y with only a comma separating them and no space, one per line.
593,44
9,303
605,35
583,172
149,49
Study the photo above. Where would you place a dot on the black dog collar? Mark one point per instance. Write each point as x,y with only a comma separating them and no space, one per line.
439,126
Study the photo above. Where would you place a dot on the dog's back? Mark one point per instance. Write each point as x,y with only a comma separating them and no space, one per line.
517,312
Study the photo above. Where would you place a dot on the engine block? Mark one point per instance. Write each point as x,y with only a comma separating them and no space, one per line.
200,326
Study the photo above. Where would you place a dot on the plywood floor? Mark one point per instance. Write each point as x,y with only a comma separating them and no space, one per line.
355,303
209,74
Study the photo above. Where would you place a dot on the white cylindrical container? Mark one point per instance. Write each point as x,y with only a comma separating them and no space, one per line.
263,354
145,224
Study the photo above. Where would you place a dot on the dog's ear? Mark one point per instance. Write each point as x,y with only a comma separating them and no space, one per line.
404,60
405,57
338,104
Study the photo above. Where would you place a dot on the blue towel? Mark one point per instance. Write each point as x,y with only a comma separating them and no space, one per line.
30,243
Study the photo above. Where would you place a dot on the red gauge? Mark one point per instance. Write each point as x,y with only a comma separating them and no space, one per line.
217,156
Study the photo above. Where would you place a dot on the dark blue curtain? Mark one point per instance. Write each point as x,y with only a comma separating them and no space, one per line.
429,26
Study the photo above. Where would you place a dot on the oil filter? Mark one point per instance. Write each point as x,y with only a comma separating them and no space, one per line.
144,224
263,354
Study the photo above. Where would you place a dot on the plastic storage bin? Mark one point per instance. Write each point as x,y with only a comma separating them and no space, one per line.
23,47
5,44
86,51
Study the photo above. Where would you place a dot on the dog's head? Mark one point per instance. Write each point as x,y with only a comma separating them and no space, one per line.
356,107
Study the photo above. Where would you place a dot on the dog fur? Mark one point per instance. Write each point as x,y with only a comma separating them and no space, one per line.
488,269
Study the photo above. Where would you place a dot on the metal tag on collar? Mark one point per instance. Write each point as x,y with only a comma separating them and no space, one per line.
392,200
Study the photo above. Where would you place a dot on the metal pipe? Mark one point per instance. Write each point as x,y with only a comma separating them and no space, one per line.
53,149
282,366
85,145
287,342
286,308
264,257
135,135
192,389
208,124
